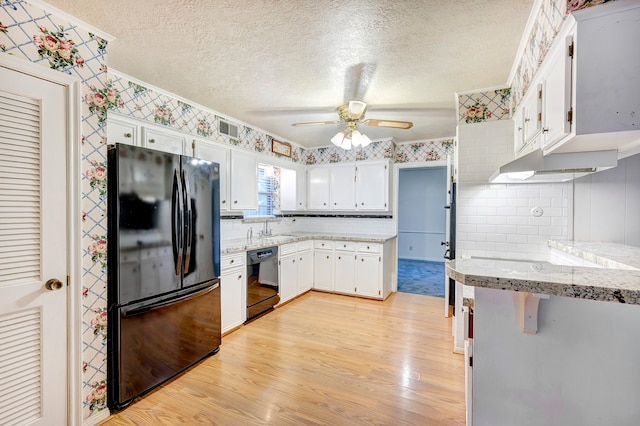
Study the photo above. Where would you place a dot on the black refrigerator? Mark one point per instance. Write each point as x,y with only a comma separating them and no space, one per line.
163,293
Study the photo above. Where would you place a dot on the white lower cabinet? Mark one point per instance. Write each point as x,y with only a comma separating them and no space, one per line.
361,269
288,278
368,282
305,270
323,266
233,287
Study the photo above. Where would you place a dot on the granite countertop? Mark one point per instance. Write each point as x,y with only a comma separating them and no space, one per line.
614,285
607,255
241,244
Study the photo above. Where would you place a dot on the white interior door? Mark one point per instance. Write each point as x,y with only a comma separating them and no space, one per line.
33,250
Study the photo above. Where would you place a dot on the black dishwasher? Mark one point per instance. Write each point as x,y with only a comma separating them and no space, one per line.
262,281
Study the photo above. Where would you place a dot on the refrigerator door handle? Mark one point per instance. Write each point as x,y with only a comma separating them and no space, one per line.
188,222
163,304
176,222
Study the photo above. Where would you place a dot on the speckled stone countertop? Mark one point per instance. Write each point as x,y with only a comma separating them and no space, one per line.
607,255
613,285
241,244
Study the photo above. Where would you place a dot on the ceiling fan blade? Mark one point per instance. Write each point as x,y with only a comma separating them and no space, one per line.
388,123
315,123
357,80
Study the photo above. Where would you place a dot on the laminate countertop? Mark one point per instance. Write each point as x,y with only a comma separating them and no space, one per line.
243,244
620,283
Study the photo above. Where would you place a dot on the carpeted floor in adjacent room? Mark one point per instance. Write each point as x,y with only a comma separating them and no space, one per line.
421,277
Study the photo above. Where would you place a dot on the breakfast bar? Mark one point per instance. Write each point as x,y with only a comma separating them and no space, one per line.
554,344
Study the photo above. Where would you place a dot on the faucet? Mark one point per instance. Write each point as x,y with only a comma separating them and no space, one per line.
249,234
266,232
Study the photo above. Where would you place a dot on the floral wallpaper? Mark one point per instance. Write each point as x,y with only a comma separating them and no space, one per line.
429,150
479,107
135,100
34,34
491,105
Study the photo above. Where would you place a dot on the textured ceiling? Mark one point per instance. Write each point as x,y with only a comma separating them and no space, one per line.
271,63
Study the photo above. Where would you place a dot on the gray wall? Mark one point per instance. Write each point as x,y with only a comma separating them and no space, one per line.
422,196
607,204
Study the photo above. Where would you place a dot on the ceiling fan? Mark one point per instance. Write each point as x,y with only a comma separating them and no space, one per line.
352,113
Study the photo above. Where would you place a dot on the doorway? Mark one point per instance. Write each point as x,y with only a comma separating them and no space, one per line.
422,195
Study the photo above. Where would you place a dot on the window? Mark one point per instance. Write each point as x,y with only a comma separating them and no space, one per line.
268,191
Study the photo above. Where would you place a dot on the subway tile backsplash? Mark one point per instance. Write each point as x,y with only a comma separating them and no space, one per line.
496,220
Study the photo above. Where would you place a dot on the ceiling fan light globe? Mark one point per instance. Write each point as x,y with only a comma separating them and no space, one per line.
346,144
364,140
356,138
337,139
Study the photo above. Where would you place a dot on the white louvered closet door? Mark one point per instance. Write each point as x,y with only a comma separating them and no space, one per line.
33,250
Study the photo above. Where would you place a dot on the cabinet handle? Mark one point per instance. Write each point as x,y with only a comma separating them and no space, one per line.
152,141
367,247
327,257
235,202
526,120
224,201
339,257
240,276
335,204
545,130
362,259
127,135
324,204
362,204
231,261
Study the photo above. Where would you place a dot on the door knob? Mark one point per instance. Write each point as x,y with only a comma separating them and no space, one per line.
53,284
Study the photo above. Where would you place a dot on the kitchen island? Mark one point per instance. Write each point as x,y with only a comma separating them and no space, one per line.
555,344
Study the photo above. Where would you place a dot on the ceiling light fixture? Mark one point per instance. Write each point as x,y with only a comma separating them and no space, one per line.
350,137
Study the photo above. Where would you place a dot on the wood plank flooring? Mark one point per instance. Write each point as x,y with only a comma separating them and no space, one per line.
322,359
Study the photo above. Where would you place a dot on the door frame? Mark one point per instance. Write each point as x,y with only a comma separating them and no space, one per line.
74,224
396,196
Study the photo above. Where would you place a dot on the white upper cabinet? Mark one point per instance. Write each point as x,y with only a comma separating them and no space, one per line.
361,186
603,81
372,185
121,130
220,155
164,140
244,181
557,114
318,184
343,189
288,193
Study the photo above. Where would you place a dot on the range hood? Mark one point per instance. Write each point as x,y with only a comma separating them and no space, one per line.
561,167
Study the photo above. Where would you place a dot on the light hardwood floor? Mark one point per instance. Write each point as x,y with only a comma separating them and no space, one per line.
322,359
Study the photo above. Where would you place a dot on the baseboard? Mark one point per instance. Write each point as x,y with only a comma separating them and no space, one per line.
97,418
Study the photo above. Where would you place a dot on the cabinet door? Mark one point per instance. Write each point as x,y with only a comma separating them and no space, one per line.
288,277
532,110
305,271
163,140
557,94
372,186
318,188
301,190
368,277
233,304
288,189
244,182
120,131
219,155
343,187
345,272
323,270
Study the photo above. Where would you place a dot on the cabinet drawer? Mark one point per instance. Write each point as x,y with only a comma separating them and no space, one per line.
305,245
323,244
286,249
345,245
369,247
232,260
